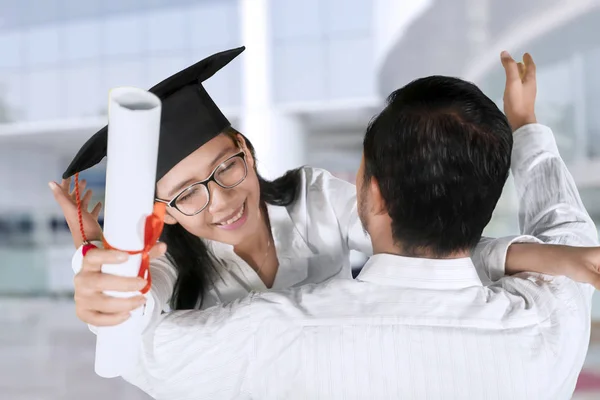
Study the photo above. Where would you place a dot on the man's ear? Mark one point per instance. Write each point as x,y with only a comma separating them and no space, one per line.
377,202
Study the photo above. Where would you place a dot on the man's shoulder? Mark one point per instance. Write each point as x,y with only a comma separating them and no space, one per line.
305,301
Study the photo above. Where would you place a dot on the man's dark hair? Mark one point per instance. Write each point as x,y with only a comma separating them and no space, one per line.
440,151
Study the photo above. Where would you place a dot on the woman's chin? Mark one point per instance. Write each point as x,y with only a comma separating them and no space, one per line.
239,229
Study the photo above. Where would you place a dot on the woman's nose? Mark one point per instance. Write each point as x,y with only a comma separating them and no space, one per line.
219,198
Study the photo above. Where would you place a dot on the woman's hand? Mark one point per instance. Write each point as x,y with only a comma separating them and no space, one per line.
94,307
520,90
581,264
67,202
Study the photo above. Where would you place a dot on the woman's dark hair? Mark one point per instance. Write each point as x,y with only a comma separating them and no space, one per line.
196,266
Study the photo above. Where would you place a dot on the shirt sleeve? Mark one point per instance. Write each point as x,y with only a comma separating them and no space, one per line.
550,209
164,276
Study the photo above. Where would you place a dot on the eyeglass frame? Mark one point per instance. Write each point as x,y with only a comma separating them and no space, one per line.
172,203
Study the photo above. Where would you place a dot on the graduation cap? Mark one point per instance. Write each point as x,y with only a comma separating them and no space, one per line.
189,117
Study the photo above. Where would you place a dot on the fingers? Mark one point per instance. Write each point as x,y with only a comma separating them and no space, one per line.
158,250
61,198
89,283
112,305
85,200
510,67
95,258
65,185
529,68
521,70
96,211
99,319
73,193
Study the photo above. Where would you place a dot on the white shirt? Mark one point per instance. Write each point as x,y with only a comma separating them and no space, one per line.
313,237
407,328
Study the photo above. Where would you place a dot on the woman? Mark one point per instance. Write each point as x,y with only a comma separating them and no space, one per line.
227,230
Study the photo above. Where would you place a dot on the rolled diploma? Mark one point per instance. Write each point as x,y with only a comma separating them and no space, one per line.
132,152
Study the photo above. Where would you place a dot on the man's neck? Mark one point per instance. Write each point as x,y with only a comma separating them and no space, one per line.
421,252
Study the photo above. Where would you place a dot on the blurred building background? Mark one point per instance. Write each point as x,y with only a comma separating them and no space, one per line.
313,74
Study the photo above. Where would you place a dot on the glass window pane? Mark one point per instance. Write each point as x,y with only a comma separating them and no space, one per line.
348,16
42,46
123,35
36,12
299,72
112,6
10,49
291,19
214,23
351,69
81,9
83,92
11,14
166,30
591,99
82,40
44,95
160,68
225,87
12,101
125,73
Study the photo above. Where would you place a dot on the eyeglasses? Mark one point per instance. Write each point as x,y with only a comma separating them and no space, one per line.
193,199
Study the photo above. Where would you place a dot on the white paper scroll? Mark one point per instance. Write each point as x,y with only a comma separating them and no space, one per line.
132,152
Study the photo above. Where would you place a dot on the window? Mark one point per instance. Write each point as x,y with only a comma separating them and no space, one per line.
42,46
10,48
82,40
160,68
166,30
225,87
12,101
351,69
215,24
299,72
114,6
78,9
348,16
84,95
44,95
10,14
36,12
125,73
123,35
296,19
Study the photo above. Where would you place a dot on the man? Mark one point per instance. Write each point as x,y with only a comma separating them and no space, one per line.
419,321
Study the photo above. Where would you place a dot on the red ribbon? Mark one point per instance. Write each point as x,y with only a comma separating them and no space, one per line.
152,230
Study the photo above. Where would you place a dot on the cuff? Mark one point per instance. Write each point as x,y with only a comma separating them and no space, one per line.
495,254
529,140
77,260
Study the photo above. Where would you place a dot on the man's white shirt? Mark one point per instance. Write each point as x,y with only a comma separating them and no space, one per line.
406,328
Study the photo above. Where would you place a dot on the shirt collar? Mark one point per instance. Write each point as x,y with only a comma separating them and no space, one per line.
293,250
420,273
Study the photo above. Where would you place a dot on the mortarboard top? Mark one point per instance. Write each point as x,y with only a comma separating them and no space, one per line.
189,117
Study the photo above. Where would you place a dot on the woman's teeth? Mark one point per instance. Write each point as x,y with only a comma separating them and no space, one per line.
235,217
